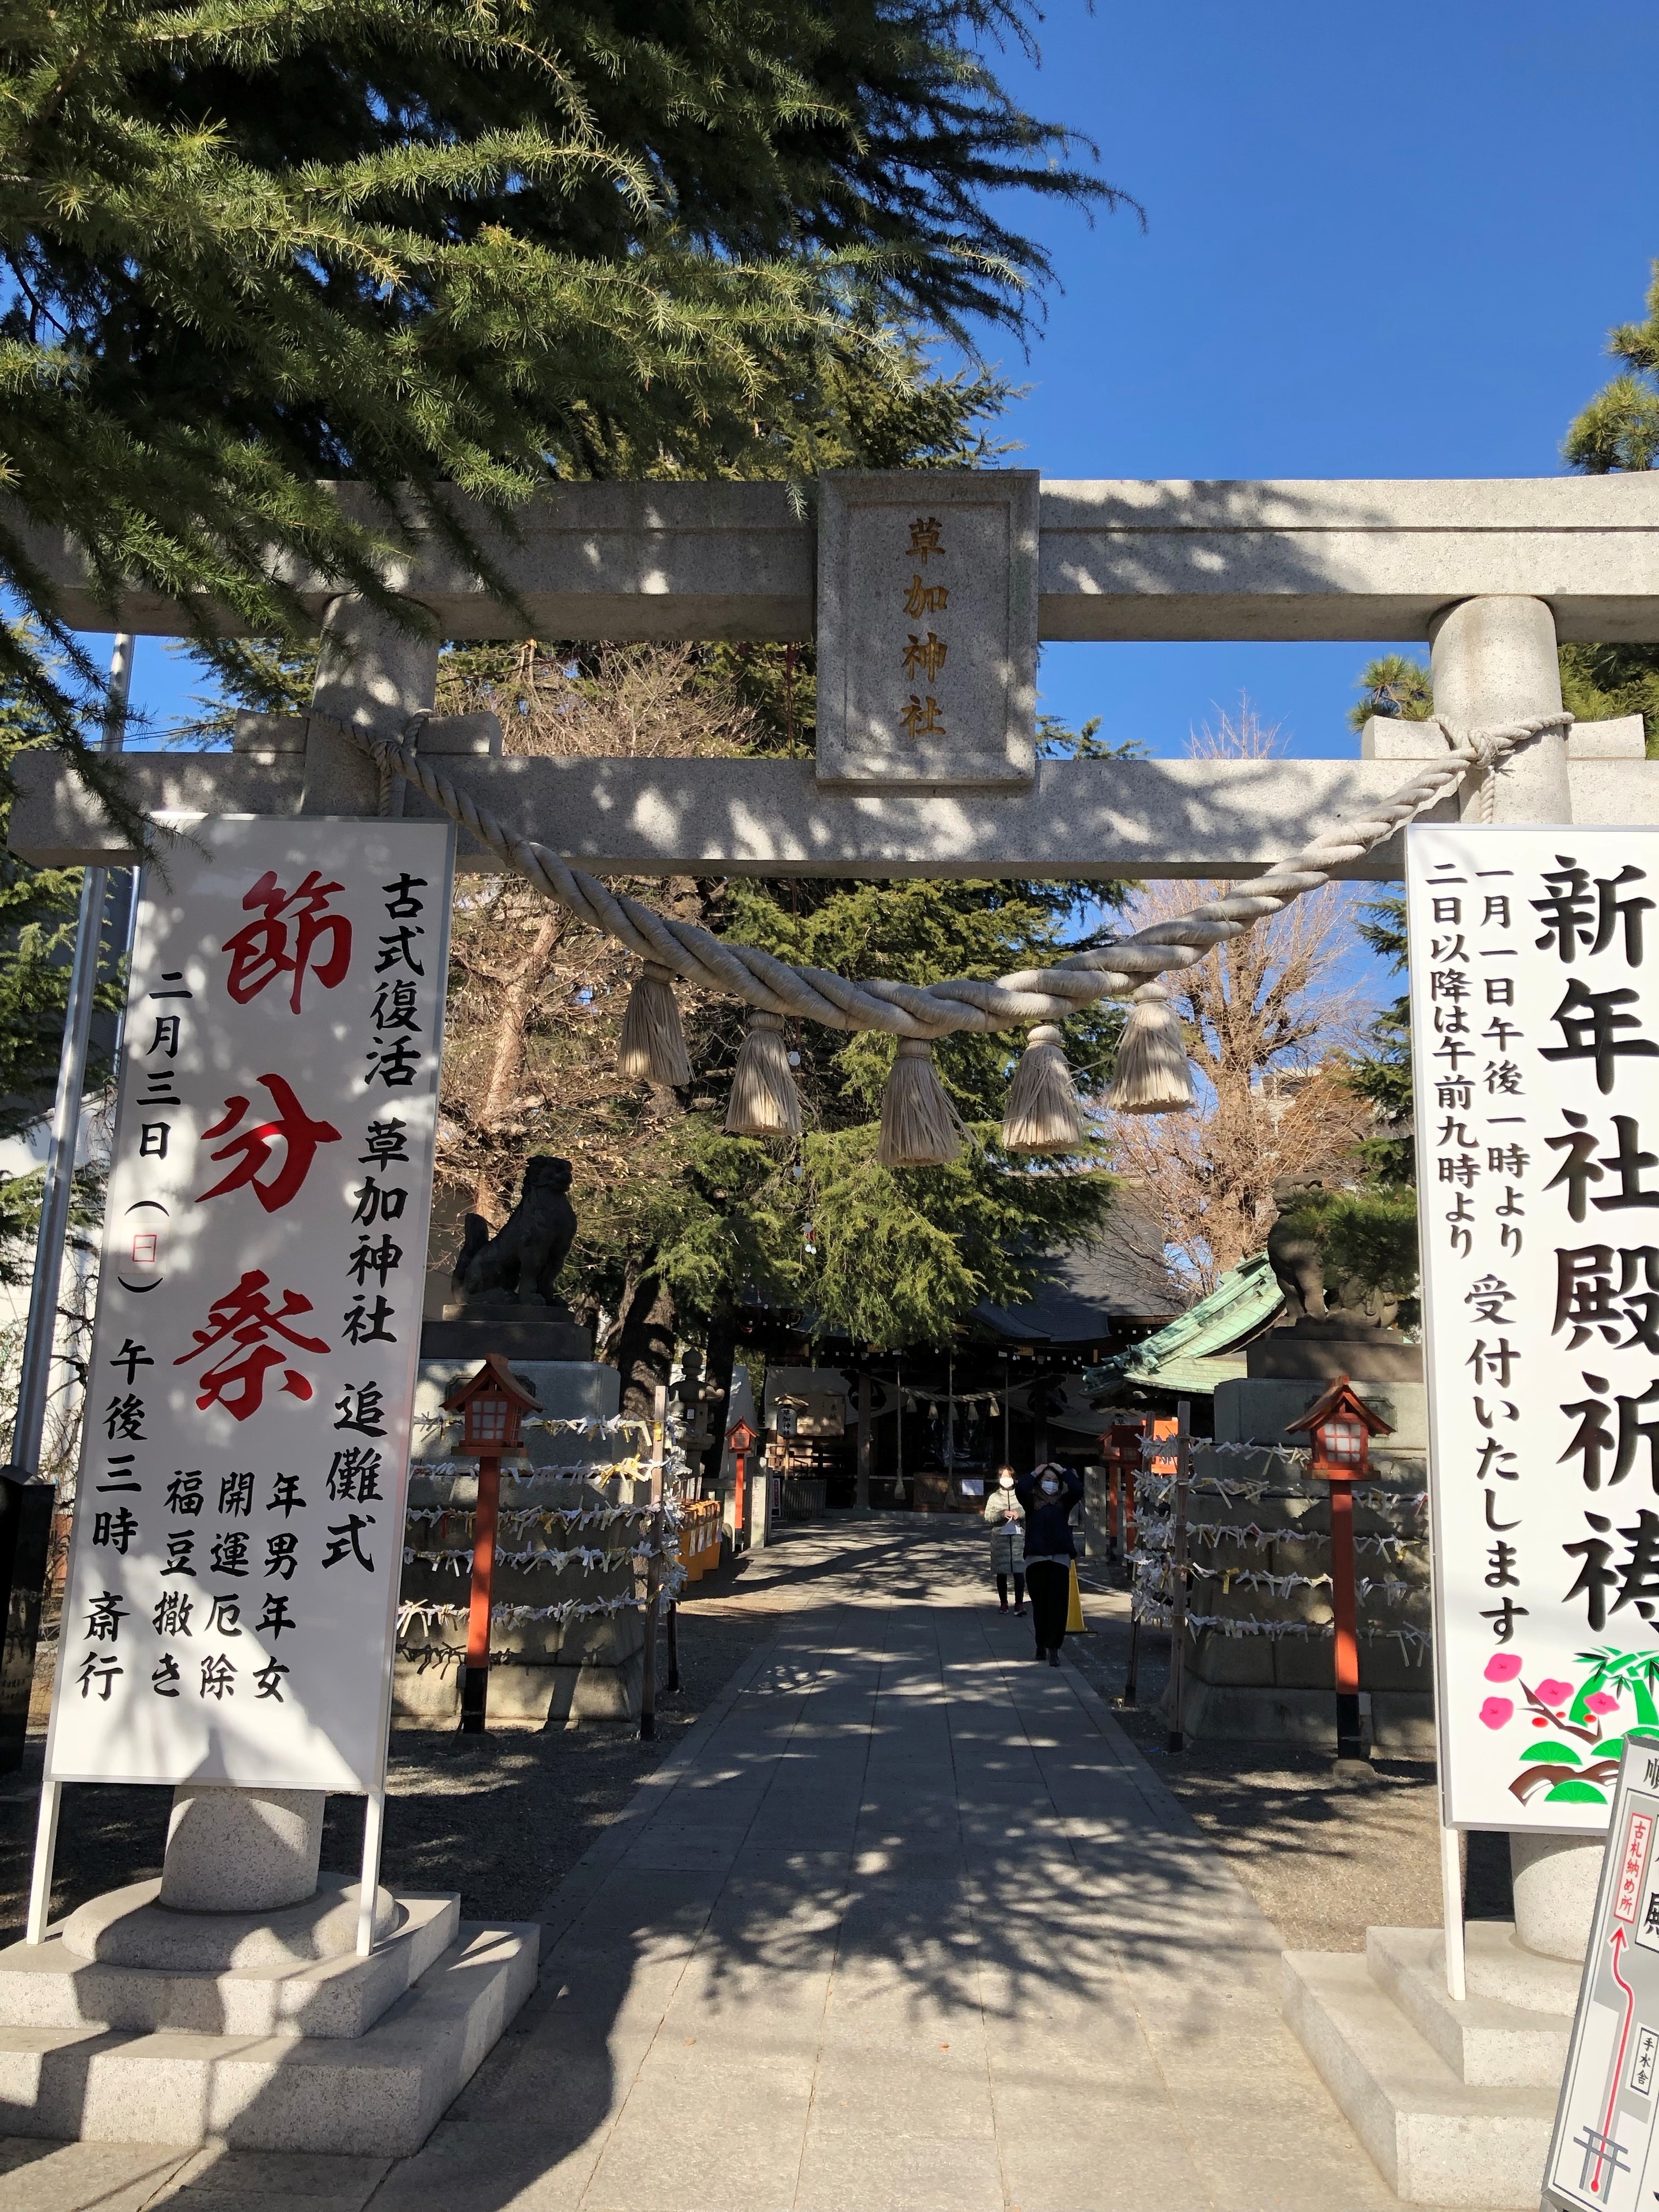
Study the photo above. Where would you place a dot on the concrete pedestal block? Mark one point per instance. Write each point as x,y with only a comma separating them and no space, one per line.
1438,2139
1402,1721
1497,1966
568,1389
1490,2040
1257,1409
241,1850
426,1693
377,2095
132,1927
336,1997
1555,1879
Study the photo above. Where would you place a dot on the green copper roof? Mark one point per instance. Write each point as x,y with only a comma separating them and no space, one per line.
1189,1353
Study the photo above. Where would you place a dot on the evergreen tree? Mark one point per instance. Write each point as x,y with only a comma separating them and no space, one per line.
38,911
450,249
1382,1076
1618,430
680,1222
1395,686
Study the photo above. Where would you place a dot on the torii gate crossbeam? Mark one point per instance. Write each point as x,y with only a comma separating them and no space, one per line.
1407,559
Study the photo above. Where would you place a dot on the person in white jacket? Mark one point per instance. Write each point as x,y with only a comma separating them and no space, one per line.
1005,1517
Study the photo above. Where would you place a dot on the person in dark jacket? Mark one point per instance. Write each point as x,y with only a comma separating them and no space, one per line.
1049,1493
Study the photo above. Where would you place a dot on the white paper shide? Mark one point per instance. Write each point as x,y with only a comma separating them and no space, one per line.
1534,960
239,1520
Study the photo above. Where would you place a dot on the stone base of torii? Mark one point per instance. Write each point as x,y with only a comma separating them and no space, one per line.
1451,2096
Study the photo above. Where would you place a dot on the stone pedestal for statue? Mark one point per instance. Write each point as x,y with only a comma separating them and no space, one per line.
1259,1651
464,1331
1289,1369
1278,1689
1456,2099
544,1673
547,1669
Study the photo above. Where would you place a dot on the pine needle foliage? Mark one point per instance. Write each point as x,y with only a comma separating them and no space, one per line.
38,909
1395,686
38,913
285,280
1619,428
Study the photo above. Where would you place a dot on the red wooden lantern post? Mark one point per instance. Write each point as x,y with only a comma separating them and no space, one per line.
492,1405
1123,1452
740,1440
1341,1425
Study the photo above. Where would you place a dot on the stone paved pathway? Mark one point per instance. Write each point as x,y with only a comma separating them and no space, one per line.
908,1925
905,1923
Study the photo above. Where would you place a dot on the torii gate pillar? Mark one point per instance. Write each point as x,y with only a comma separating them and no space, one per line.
1494,661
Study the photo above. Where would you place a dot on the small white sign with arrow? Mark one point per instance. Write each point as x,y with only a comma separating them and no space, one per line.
1603,2144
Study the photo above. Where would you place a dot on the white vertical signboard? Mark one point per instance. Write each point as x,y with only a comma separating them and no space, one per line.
239,1523
1535,990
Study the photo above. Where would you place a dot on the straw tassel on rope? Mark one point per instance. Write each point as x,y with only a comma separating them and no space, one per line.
920,1126
765,1100
1043,1114
652,1046
1153,1075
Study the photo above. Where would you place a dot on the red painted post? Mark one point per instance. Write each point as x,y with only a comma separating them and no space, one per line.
742,1440
1349,1744
475,1683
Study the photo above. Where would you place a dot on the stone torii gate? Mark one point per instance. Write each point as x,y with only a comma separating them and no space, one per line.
1490,573
927,649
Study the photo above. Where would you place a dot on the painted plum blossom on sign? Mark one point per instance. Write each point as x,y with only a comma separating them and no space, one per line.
1574,1760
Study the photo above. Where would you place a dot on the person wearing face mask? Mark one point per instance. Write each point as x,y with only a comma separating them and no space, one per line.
1049,1494
1004,1517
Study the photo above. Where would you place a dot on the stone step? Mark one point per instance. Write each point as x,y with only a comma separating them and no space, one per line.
1437,2140
379,2094
1488,2043
45,1985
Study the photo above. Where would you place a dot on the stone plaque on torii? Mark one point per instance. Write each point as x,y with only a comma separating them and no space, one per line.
928,596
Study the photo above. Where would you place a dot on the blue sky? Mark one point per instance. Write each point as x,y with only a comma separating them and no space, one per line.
1379,242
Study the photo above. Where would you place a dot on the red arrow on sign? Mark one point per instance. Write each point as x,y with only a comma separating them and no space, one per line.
1616,1944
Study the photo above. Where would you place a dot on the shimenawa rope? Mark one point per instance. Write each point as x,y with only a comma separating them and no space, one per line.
935,1010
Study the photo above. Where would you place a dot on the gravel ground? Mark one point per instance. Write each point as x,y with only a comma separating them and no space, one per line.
1326,1851
501,1817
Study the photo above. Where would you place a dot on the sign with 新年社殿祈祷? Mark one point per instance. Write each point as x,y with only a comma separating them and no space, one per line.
1534,994
238,1525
